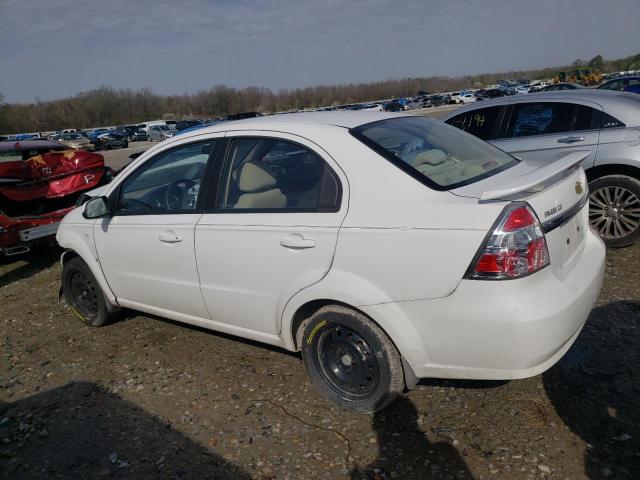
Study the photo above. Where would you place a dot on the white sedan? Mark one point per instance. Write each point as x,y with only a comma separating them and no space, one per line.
385,247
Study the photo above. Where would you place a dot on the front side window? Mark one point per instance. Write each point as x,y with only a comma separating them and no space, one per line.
483,122
169,182
437,154
544,118
273,174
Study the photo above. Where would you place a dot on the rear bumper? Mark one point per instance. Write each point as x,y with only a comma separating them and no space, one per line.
499,330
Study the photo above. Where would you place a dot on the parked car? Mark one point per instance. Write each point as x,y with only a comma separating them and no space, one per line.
604,123
468,98
40,181
184,124
522,89
372,107
111,139
242,115
139,136
392,107
390,247
75,140
561,86
159,133
620,83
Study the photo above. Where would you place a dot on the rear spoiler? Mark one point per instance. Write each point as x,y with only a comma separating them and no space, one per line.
531,181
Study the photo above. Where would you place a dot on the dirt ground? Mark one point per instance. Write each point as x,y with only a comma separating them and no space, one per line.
149,398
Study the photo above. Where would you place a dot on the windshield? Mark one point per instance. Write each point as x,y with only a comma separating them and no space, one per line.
435,153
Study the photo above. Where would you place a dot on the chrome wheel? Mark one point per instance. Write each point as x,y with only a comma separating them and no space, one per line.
614,212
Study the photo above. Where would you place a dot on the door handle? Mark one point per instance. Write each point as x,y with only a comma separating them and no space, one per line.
570,139
170,237
297,242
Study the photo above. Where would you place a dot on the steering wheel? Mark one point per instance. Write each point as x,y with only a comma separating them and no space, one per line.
175,192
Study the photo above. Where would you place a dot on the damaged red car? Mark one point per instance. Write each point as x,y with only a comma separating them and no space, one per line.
40,181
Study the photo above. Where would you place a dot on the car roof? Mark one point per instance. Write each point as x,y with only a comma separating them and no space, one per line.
28,144
299,122
622,105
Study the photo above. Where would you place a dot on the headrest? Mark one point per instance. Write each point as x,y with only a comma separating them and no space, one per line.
255,177
429,157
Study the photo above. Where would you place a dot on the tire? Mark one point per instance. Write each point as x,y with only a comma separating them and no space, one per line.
83,294
125,144
338,339
614,209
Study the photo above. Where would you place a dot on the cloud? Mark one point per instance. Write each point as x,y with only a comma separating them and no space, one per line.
54,49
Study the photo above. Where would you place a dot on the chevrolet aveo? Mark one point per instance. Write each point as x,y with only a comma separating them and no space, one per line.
384,247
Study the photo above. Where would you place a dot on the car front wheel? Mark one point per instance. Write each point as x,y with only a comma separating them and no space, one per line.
83,294
614,209
350,360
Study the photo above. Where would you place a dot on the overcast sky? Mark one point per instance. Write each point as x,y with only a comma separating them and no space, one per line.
52,49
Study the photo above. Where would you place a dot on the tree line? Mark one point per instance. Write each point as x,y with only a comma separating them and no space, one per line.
106,106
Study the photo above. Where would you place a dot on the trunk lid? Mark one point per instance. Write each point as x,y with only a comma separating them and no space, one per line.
557,192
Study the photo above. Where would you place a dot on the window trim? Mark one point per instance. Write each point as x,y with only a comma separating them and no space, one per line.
223,159
356,132
115,196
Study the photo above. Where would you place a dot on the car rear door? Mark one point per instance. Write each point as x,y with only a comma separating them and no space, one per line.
546,130
270,230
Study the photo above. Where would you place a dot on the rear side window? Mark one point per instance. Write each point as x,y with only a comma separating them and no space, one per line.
277,175
610,122
483,122
529,119
438,155
586,118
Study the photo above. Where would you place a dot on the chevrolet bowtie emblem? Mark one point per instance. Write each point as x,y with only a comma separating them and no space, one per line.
578,188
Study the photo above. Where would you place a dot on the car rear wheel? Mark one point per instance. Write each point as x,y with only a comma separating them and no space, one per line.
614,209
83,294
350,360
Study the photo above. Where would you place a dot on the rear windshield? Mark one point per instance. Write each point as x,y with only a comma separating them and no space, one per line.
437,154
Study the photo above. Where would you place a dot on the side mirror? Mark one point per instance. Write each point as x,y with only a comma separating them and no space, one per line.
97,207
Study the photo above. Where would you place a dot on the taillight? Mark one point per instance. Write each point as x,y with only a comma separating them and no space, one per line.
516,248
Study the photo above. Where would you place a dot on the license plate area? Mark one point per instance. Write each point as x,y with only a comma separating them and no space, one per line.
566,240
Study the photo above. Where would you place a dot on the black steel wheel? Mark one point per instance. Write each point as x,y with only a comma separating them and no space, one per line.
350,360
83,294
347,361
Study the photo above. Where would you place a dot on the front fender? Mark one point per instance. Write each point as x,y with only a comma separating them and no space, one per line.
78,238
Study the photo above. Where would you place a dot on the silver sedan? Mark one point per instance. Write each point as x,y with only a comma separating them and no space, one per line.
545,126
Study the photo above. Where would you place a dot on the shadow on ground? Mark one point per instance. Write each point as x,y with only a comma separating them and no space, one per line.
18,267
595,389
81,431
405,452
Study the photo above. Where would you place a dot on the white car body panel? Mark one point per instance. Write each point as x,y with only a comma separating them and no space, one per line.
397,250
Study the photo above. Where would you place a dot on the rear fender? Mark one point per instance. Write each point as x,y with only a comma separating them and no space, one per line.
350,290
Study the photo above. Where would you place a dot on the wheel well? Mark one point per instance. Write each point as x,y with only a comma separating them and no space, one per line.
617,169
304,313
308,309
68,255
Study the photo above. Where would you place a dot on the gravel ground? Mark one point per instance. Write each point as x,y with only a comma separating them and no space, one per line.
149,398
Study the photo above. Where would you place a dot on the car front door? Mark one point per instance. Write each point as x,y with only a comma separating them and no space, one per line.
146,249
271,229
541,131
